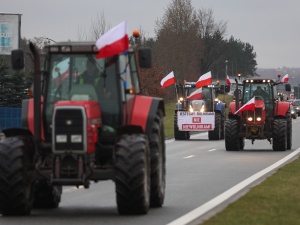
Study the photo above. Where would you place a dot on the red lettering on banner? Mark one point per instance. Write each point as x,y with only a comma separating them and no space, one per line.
196,126
196,119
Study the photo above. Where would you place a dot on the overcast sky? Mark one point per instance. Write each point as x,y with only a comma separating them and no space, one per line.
271,26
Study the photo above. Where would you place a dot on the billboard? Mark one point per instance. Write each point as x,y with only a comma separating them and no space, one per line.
10,27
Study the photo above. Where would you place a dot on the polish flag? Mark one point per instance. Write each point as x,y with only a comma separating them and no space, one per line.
285,79
195,95
168,80
204,80
61,71
228,80
250,105
113,42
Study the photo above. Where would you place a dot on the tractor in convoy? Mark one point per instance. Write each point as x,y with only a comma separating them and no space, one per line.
269,118
198,109
76,133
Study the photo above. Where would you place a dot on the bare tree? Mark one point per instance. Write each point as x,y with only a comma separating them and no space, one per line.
177,42
98,27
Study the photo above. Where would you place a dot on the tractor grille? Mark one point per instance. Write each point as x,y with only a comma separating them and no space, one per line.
69,129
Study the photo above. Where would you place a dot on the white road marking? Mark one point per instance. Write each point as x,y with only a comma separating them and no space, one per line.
211,150
187,157
206,207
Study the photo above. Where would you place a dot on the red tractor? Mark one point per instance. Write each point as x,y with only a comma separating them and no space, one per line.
75,133
270,119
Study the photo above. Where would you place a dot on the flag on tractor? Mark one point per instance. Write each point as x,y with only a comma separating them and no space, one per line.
250,105
204,80
113,42
168,80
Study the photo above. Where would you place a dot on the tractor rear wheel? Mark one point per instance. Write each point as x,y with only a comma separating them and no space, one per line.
223,126
158,162
232,140
289,131
279,135
180,135
132,177
46,195
216,133
16,180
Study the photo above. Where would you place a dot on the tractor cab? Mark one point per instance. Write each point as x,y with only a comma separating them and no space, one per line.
76,75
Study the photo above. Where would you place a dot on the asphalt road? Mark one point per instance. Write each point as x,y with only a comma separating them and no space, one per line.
198,170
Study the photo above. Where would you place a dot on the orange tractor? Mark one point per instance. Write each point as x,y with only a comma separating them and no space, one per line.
75,133
270,118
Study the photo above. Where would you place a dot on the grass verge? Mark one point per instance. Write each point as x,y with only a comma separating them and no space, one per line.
276,201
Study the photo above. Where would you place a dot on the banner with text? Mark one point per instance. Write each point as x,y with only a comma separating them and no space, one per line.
9,32
195,121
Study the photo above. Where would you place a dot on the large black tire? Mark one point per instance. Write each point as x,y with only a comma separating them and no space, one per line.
289,131
223,126
132,175
158,162
242,143
16,177
279,135
46,195
180,135
216,133
232,140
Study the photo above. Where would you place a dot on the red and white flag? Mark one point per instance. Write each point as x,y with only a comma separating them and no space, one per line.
113,42
167,80
204,80
195,95
285,79
250,105
228,80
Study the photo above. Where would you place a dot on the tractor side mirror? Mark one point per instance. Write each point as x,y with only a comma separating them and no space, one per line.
288,87
17,59
145,58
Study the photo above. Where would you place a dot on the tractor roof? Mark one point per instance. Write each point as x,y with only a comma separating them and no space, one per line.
72,47
258,80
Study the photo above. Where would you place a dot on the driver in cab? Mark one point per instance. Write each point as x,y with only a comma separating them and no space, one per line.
260,92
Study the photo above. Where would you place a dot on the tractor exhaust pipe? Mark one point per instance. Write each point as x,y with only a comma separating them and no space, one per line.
237,97
36,92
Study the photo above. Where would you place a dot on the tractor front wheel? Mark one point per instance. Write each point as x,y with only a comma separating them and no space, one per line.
46,195
132,177
232,140
216,133
279,135
158,162
17,177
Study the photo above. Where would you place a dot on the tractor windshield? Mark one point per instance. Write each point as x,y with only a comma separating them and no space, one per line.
83,77
261,91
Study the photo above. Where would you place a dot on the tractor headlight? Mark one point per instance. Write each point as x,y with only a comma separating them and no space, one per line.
202,108
258,119
250,119
181,99
191,109
216,99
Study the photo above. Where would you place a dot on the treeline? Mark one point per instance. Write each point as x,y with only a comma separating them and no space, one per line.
188,41
191,42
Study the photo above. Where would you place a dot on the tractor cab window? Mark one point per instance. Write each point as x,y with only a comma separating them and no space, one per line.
80,77
129,73
262,91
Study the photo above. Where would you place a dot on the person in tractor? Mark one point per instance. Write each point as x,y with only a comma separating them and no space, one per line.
90,75
260,92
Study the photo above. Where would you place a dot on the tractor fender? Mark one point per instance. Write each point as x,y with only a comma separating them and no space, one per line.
144,112
27,116
282,108
27,136
232,107
220,107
